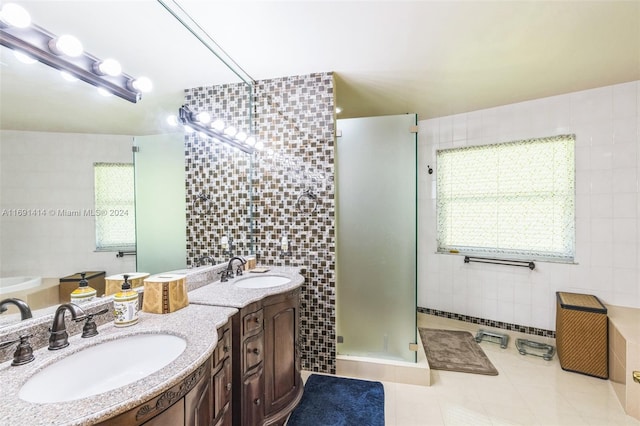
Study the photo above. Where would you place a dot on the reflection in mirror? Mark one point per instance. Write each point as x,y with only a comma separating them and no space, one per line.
53,132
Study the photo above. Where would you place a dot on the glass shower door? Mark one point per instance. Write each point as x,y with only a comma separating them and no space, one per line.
161,230
376,237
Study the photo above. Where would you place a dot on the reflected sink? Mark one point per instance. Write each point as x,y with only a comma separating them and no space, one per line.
103,367
264,281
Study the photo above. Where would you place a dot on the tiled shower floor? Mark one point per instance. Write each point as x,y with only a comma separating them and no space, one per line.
527,391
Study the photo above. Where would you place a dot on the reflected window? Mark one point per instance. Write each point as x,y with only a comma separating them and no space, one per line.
114,206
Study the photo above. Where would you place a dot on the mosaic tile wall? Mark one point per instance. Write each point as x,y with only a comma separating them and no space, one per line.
490,323
217,177
292,192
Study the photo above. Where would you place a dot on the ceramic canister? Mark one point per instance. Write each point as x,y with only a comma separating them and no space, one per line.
83,293
125,305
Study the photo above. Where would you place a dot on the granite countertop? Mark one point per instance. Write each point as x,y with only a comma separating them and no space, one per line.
196,324
227,294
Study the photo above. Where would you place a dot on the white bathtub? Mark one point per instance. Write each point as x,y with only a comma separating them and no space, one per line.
13,284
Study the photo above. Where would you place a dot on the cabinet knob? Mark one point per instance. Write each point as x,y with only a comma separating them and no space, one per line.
256,320
228,386
257,401
225,348
255,351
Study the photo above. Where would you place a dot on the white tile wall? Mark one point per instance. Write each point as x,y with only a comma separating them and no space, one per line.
54,171
606,123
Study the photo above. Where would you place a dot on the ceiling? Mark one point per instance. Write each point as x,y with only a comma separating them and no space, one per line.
434,58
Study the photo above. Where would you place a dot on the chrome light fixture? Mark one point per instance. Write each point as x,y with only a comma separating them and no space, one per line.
65,53
201,123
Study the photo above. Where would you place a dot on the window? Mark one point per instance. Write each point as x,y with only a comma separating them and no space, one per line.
114,206
513,199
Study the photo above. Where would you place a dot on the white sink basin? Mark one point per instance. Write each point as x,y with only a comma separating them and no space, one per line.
103,367
263,281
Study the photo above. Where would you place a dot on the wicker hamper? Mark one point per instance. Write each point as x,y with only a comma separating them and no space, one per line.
582,334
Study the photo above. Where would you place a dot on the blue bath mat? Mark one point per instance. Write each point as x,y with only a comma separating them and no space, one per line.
337,401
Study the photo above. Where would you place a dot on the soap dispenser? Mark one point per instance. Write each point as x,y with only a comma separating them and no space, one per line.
83,293
125,305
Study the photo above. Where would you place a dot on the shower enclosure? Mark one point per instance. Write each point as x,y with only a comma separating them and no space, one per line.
376,237
160,202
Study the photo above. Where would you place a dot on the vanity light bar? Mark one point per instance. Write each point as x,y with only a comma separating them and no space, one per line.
189,119
36,42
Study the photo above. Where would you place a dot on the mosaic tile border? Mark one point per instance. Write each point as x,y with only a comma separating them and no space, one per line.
489,323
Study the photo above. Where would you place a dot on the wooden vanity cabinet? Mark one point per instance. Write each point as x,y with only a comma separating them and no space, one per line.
201,399
283,384
267,382
222,377
209,402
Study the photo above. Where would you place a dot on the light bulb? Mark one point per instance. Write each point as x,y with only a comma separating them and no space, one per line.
14,15
68,76
104,92
66,45
338,110
172,120
108,67
218,125
23,57
203,117
251,141
142,84
241,136
230,131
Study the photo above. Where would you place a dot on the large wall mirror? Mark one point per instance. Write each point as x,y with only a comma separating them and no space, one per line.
53,133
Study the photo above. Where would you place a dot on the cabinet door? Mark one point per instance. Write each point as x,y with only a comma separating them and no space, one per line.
282,375
226,419
198,403
222,389
253,401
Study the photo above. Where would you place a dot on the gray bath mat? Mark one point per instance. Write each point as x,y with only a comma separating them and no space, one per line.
455,350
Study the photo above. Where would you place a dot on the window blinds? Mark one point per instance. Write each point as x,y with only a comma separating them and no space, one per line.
114,206
512,199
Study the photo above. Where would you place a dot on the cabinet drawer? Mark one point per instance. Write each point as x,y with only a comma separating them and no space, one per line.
253,351
222,389
223,349
252,323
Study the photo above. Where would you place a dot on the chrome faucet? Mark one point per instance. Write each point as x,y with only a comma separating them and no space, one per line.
25,311
59,337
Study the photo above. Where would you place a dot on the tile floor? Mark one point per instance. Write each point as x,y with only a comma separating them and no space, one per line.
528,391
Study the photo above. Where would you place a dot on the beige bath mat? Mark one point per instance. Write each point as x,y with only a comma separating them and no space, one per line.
455,350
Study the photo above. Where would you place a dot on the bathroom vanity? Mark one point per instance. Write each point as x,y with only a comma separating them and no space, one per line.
196,325
202,398
240,364
267,382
